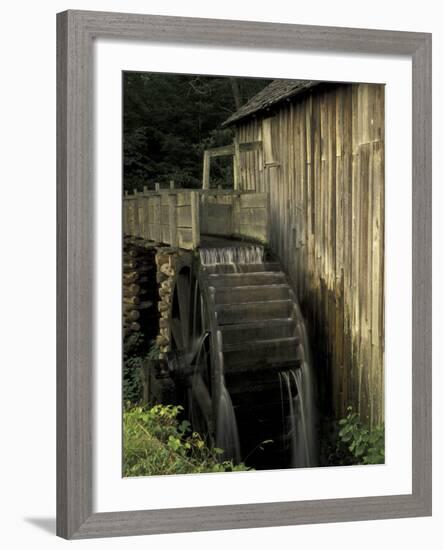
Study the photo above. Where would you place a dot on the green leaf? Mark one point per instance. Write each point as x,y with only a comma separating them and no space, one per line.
174,443
347,429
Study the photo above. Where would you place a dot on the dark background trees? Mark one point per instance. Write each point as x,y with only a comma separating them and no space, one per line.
168,121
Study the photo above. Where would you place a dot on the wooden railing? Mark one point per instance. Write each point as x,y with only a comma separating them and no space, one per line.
179,217
169,217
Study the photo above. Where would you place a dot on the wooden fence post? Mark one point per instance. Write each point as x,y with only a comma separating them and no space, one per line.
157,219
173,220
136,214
125,217
144,214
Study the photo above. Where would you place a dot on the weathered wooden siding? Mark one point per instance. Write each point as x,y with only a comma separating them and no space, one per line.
326,189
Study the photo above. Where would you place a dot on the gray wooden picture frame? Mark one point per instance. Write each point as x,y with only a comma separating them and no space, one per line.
76,31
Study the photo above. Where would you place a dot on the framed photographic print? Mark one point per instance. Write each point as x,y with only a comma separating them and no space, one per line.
244,274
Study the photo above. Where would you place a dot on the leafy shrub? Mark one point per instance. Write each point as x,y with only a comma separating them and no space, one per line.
156,442
333,452
154,352
366,446
135,355
133,352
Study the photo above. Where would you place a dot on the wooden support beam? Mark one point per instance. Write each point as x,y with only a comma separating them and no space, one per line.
195,219
206,170
228,150
233,150
221,151
236,161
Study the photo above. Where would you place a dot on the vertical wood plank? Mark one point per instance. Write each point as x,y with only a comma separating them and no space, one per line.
206,170
326,225
173,240
195,219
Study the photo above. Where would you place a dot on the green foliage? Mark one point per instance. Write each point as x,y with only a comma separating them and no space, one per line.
333,452
133,357
156,442
154,352
366,446
169,119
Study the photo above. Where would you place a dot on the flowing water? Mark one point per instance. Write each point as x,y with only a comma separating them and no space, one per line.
234,256
296,385
299,422
227,431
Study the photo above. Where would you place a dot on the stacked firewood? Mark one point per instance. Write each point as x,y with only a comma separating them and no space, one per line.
138,272
165,261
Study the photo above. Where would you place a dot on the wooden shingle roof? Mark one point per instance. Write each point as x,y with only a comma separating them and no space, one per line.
277,91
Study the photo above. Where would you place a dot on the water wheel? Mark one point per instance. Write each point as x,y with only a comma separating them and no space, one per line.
189,358
234,329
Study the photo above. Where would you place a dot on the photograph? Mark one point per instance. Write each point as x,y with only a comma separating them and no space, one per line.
253,287
220,314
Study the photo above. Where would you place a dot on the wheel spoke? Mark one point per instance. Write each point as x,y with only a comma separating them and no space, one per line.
195,319
189,335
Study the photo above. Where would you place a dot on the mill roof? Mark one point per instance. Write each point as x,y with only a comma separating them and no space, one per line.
276,91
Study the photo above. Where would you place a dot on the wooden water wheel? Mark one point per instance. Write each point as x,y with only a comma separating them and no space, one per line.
232,332
190,356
